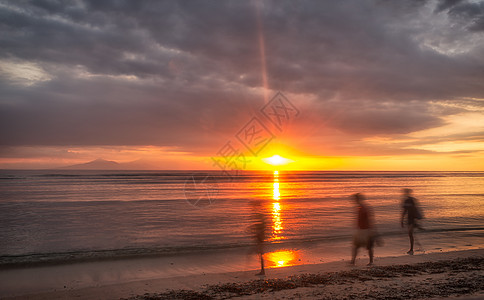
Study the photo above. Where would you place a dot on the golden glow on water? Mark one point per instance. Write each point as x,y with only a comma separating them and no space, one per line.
276,194
277,225
276,221
282,258
279,258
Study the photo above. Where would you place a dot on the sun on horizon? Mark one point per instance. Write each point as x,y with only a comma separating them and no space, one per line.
277,160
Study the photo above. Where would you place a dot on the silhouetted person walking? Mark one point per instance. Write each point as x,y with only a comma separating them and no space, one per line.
260,236
258,229
365,235
411,209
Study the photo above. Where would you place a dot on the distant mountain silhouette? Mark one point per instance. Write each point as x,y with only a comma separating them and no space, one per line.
140,164
98,164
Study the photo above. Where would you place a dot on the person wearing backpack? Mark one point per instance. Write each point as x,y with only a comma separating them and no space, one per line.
411,209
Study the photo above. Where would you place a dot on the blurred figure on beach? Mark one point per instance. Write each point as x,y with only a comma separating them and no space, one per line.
365,234
411,209
258,229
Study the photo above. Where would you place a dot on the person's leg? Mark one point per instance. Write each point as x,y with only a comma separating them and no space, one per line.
262,271
354,252
369,246
261,255
410,236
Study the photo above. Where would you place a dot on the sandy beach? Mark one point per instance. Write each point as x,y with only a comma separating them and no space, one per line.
425,276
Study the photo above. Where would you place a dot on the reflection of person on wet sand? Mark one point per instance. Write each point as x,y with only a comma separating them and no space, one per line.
258,229
411,209
364,236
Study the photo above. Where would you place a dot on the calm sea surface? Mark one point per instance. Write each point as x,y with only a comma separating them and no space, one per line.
94,213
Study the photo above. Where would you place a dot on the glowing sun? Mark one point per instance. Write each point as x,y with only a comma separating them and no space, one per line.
277,160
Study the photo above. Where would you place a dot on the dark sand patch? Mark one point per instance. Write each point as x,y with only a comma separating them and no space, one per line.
416,281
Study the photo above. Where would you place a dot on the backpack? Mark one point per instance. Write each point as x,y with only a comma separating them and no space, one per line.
417,210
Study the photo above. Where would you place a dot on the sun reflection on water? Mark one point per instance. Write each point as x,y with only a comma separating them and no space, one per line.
282,258
279,258
276,194
276,210
276,221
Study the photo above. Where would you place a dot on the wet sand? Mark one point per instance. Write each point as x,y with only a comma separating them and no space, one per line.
426,276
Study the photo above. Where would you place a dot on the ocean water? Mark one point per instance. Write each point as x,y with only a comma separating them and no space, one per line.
69,215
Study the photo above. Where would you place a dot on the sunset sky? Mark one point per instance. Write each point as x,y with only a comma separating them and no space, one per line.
371,85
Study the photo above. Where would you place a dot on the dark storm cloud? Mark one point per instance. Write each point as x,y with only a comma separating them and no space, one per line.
471,13
446,4
389,119
107,113
181,73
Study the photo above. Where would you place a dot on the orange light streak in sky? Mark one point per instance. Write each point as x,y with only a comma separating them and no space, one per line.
262,52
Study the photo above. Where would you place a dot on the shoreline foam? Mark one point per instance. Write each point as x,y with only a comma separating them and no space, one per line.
70,257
